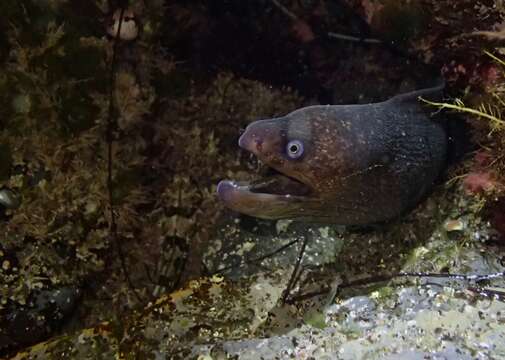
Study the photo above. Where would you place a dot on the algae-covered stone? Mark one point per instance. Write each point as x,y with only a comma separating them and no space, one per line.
205,312
245,318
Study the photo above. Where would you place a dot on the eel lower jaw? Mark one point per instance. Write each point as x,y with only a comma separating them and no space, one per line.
273,197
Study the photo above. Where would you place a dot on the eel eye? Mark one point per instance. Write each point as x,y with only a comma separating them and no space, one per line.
294,149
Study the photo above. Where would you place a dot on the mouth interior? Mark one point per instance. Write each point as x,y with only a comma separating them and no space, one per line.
276,183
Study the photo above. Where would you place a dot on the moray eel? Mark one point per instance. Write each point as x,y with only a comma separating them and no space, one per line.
344,164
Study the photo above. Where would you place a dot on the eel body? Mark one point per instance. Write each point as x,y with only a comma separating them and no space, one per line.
344,164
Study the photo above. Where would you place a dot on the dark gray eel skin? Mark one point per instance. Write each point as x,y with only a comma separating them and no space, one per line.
343,164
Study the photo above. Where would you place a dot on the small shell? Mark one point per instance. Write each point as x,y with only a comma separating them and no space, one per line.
8,199
129,27
454,225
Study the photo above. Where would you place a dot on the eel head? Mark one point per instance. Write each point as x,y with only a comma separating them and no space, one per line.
288,190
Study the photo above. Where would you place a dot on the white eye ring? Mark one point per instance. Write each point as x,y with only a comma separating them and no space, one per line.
294,149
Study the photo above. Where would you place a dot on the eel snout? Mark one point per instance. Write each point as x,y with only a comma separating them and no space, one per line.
261,138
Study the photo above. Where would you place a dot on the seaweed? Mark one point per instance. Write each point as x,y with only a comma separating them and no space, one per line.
165,160
486,114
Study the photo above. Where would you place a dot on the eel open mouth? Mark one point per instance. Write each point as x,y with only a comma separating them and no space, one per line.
272,196
276,183
275,195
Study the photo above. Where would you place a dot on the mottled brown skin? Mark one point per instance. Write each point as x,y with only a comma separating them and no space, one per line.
361,164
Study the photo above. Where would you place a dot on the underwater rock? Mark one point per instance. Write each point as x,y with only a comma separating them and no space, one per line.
244,318
204,312
244,246
25,325
413,323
